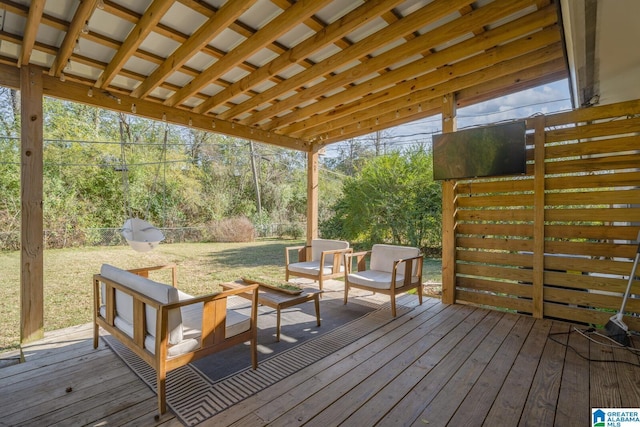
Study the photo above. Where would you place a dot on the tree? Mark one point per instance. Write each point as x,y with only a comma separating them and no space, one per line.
101,167
9,112
351,155
392,199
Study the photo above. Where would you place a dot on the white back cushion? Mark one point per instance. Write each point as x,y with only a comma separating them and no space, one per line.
320,245
158,291
383,256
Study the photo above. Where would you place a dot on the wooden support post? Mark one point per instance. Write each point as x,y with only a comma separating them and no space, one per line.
312,197
448,212
32,245
538,217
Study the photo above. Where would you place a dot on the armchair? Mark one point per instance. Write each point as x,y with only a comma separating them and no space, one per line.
325,263
389,264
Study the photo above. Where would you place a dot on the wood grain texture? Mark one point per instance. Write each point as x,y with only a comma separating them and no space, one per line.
437,364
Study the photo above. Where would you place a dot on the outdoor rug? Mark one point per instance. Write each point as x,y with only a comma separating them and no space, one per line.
202,389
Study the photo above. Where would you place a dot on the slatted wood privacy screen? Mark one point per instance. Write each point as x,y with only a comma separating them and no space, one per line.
560,241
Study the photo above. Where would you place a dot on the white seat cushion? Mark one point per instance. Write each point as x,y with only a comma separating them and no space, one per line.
321,245
312,267
383,256
160,292
192,321
236,323
376,279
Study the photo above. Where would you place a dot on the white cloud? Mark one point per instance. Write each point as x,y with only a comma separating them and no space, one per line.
544,99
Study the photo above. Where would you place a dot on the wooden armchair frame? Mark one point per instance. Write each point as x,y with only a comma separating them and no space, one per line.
407,285
319,276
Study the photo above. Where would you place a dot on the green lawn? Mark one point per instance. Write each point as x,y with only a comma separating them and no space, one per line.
201,267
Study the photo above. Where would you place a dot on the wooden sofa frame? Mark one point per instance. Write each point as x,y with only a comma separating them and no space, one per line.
212,339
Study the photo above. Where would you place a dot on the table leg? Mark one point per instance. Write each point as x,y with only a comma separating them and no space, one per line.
316,300
278,325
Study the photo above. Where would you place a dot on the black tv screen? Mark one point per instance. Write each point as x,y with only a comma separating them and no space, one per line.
485,151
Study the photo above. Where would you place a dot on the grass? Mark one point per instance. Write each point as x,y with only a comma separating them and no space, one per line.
201,268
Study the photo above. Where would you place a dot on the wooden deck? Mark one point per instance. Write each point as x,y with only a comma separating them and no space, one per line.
437,365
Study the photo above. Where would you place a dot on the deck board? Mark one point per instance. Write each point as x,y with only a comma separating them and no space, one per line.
604,385
515,388
540,407
338,365
478,402
574,383
444,405
343,394
419,381
628,377
436,365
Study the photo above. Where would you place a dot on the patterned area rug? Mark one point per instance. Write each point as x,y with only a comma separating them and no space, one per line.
194,397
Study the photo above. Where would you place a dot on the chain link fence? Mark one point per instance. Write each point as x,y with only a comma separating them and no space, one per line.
10,240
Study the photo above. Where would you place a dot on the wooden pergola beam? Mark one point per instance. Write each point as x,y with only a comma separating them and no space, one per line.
36,9
449,124
144,26
415,46
76,92
500,62
32,244
118,102
270,32
321,112
82,15
398,29
198,40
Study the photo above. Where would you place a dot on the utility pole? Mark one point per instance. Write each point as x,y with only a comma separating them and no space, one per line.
378,142
255,179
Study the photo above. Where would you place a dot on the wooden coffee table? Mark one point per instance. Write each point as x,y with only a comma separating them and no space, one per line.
280,299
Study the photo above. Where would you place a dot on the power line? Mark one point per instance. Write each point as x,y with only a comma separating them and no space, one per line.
466,116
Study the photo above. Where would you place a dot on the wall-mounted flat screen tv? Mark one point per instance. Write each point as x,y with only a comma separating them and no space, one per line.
484,151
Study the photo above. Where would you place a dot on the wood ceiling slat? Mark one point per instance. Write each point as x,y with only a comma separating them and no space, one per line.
101,39
147,56
399,29
298,53
52,50
176,36
199,6
445,33
271,31
207,32
237,26
142,29
31,29
494,37
22,10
